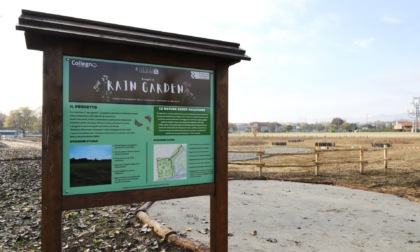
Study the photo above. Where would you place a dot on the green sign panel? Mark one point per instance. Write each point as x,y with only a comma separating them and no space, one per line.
129,126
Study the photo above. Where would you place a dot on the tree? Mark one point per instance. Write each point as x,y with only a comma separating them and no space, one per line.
320,127
345,126
305,127
272,127
37,126
2,120
232,127
336,122
254,129
287,128
21,119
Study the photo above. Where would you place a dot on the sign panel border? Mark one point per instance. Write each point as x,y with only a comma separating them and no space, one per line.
105,130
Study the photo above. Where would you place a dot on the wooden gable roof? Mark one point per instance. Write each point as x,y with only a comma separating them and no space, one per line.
38,24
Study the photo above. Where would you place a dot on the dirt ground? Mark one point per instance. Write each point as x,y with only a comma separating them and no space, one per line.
97,229
402,176
112,228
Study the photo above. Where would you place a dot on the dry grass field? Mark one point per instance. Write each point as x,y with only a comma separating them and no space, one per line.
402,176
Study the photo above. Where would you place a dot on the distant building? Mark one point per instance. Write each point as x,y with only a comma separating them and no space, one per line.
268,126
8,134
366,127
403,126
243,127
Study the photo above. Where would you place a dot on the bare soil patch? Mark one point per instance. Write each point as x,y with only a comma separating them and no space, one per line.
402,177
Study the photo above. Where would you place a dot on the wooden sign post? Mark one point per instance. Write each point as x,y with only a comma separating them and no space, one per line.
112,88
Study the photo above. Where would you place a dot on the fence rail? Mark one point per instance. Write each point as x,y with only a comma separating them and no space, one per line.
316,163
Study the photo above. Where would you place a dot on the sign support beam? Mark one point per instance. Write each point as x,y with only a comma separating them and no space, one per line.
219,201
51,212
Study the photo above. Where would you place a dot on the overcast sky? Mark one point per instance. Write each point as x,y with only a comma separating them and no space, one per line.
312,60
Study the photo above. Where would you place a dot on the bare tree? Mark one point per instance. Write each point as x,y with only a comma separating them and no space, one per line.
254,129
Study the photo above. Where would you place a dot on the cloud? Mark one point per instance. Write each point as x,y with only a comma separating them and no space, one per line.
391,20
363,43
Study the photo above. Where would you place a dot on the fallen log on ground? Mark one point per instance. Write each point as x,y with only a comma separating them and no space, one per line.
170,235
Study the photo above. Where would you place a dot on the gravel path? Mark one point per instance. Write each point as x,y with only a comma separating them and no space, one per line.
20,143
252,156
286,216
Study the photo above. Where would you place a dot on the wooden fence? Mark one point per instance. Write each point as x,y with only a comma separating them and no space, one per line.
316,163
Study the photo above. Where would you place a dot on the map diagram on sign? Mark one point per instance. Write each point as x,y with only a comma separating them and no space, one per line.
170,162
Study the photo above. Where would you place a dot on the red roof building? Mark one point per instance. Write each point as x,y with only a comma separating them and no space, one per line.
403,126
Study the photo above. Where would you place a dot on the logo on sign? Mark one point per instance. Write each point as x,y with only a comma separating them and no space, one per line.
83,64
147,70
200,75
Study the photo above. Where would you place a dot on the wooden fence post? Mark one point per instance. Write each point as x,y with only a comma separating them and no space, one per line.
316,162
385,157
260,154
362,164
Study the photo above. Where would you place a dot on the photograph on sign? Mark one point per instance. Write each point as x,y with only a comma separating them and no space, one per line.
129,126
90,165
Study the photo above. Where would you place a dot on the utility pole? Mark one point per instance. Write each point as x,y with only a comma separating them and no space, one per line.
415,113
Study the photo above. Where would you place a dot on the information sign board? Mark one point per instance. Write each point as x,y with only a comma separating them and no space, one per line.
130,126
